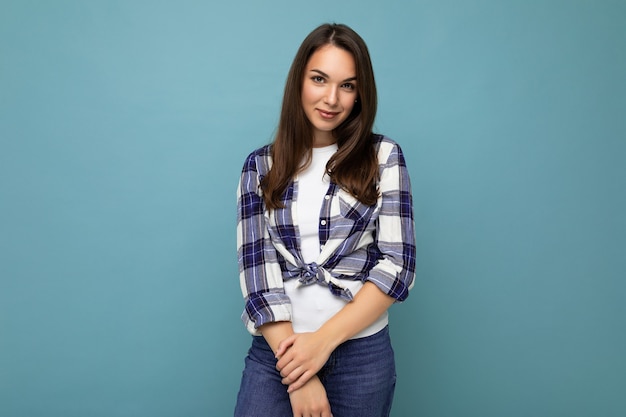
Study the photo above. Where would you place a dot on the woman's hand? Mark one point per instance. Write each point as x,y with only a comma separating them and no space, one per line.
301,356
310,400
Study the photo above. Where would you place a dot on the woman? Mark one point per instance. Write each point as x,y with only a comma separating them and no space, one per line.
325,242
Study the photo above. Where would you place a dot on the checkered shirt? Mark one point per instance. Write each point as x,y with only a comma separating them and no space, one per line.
357,242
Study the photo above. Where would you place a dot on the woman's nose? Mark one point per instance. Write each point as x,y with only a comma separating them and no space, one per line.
331,96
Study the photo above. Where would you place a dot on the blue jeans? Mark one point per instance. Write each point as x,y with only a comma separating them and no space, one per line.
359,378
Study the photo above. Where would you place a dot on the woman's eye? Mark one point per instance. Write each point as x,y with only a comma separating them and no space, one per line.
348,86
317,79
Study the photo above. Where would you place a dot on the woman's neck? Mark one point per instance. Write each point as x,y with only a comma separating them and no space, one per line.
321,140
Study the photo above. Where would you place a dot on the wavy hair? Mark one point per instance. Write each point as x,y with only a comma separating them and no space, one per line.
354,167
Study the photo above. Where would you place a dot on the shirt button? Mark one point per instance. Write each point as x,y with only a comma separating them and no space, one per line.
323,222
326,197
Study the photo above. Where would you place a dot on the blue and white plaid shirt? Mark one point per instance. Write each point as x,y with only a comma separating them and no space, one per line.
358,242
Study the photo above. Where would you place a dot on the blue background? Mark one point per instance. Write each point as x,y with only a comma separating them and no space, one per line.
123,128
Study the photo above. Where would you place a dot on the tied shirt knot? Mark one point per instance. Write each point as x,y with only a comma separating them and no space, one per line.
312,273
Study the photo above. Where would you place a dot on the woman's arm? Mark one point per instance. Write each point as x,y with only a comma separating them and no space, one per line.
268,310
308,398
276,332
260,275
302,355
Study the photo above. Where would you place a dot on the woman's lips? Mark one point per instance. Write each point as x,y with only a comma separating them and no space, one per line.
327,114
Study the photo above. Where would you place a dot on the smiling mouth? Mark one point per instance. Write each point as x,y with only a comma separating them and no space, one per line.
327,114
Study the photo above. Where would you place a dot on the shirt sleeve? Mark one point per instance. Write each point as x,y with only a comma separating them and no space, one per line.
260,275
394,273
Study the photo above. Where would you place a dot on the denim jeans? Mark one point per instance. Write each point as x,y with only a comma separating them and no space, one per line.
359,378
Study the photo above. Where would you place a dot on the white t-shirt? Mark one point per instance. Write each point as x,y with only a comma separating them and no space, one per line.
312,305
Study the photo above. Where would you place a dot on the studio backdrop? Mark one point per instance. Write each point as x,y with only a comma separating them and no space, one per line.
123,129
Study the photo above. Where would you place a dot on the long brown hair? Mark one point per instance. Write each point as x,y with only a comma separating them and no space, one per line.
354,166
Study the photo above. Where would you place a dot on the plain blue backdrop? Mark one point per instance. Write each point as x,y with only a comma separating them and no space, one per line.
123,128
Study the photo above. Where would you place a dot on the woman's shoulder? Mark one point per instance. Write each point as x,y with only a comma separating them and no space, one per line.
259,159
263,152
385,146
383,140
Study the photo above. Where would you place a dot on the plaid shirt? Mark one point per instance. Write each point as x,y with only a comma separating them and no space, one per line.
358,242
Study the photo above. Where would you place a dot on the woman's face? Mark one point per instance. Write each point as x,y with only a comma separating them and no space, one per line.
328,91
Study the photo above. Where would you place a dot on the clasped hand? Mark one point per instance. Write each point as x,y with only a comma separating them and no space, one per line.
300,356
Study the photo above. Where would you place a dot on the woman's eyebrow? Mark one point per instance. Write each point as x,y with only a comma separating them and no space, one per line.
323,74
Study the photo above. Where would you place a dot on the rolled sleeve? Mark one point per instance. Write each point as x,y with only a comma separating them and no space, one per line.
260,274
394,273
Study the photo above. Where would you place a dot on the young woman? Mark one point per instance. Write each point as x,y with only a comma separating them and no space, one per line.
325,243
